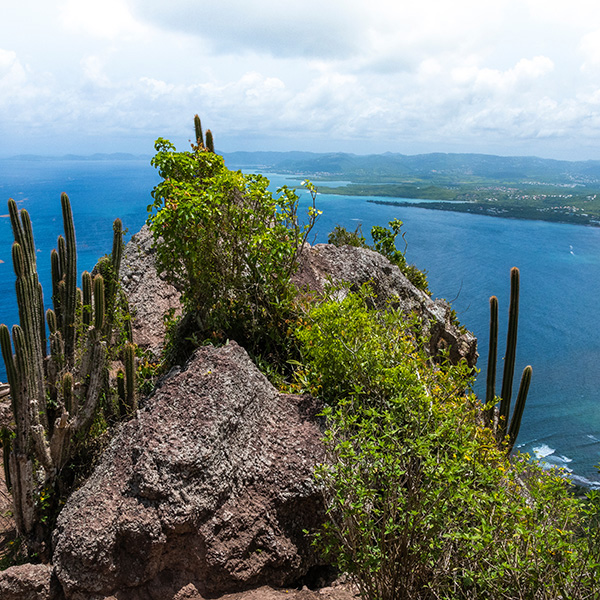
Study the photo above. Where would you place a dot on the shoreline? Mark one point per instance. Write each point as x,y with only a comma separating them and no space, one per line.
517,213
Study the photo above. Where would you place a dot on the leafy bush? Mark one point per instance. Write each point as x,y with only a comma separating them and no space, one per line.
228,245
421,501
340,236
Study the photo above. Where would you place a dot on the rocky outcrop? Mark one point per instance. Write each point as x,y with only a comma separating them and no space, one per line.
324,264
150,297
29,582
210,486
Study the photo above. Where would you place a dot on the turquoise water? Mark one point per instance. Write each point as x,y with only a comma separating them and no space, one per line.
468,258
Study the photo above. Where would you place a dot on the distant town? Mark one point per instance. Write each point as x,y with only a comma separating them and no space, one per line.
514,187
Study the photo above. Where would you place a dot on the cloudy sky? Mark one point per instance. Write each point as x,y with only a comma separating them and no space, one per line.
507,77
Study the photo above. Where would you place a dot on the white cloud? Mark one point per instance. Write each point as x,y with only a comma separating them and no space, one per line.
99,18
306,28
12,72
429,74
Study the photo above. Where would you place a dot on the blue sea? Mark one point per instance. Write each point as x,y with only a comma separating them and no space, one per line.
467,257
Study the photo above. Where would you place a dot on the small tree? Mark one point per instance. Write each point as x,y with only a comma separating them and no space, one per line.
227,244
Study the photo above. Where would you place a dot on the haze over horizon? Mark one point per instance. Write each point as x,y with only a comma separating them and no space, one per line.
516,77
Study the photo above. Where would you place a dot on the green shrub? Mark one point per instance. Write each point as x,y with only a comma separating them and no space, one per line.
421,501
340,236
228,245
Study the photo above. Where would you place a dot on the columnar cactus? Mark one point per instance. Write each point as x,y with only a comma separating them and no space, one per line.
509,368
210,144
55,396
112,276
86,298
198,131
490,394
70,278
127,382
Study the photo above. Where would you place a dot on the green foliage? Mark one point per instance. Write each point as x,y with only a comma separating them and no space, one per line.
228,245
340,236
384,241
350,348
422,503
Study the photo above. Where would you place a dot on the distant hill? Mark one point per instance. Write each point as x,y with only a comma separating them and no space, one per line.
436,167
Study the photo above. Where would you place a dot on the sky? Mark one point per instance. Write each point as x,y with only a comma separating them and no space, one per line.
508,77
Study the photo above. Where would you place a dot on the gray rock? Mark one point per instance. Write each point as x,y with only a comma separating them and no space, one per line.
325,263
210,485
150,297
29,582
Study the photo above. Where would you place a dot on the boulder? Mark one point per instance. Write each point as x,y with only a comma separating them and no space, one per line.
325,264
150,296
210,486
29,582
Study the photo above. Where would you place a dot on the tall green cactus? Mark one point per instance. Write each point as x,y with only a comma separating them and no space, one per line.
86,298
515,423
198,131
127,382
502,427
111,276
70,278
210,144
490,393
54,396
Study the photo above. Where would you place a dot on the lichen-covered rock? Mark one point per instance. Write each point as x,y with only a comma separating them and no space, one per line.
29,582
6,417
211,485
150,296
325,263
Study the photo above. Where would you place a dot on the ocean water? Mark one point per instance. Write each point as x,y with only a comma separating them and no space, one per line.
100,191
468,259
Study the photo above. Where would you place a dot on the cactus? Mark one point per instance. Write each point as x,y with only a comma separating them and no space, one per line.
515,423
210,144
111,275
128,397
70,278
54,396
198,130
121,393
509,369
99,303
511,349
67,393
490,395
86,298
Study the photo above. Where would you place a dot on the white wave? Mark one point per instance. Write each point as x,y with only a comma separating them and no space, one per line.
543,451
585,482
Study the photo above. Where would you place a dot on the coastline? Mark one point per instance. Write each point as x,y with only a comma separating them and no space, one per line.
506,212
